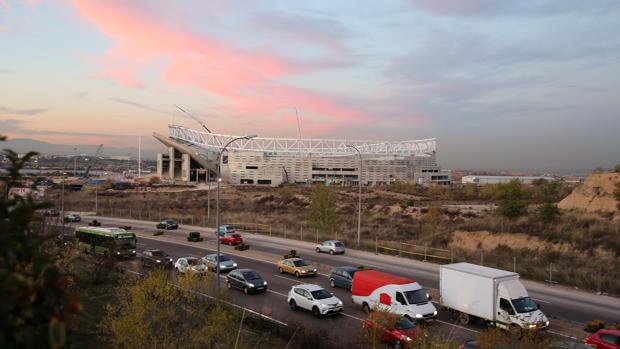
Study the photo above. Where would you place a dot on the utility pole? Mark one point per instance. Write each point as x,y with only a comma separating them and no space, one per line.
359,203
217,216
139,156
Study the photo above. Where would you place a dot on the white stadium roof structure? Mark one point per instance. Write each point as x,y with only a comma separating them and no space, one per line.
303,147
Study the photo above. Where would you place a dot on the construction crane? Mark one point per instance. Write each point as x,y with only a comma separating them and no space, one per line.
95,159
194,118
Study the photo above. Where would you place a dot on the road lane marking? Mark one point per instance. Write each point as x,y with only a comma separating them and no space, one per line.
457,326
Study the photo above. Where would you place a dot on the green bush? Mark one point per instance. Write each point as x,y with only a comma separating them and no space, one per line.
594,325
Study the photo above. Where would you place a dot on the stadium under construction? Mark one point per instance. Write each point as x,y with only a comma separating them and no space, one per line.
193,157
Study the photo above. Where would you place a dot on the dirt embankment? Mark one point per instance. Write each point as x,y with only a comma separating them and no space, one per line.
595,195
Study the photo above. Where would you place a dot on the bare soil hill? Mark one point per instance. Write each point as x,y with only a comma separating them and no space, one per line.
595,195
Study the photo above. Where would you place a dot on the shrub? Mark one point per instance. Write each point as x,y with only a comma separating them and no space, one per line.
242,247
594,325
157,233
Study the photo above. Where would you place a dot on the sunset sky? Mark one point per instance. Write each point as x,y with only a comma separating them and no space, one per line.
501,84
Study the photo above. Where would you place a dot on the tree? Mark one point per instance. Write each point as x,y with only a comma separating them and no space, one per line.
512,203
617,168
38,305
323,208
548,194
154,313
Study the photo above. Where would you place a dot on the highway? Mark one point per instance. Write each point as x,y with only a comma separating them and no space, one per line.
566,308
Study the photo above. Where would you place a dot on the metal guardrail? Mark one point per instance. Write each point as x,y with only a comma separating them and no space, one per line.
404,249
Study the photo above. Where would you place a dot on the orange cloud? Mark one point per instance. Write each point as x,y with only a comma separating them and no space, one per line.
247,78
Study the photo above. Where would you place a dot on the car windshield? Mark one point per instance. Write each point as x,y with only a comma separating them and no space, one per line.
251,275
229,228
223,258
321,294
236,235
524,305
300,263
403,324
339,244
170,221
124,243
416,297
159,254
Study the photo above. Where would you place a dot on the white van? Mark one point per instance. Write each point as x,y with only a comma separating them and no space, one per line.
377,290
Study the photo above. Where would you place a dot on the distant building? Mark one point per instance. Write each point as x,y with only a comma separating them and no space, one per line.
193,155
475,179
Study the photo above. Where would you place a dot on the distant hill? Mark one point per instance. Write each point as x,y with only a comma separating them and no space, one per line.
23,145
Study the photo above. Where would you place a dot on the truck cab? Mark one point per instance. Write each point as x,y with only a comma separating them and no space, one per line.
516,308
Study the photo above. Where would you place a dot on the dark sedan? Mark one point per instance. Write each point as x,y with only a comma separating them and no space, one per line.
156,258
72,218
247,280
167,224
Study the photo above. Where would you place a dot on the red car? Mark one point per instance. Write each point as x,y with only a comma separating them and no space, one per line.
605,339
395,330
231,239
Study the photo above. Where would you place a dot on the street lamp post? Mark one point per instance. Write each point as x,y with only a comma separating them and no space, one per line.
359,203
62,202
217,215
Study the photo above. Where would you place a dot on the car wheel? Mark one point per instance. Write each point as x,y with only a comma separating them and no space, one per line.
331,252
332,283
228,285
292,305
281,271
176,269
316,311
365,308
463,319
398,344
245,290
318,250
296,274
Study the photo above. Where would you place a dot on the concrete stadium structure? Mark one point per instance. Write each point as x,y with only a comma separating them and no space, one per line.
192,157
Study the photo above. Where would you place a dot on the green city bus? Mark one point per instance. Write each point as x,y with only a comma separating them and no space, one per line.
107,241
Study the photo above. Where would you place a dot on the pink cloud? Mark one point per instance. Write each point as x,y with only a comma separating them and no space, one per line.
247,78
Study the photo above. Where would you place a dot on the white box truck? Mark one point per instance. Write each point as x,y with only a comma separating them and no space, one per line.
494,295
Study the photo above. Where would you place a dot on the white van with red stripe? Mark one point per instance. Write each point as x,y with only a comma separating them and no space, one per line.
377,290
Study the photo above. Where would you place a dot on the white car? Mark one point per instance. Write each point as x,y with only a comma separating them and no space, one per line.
314,298
190,265
331,246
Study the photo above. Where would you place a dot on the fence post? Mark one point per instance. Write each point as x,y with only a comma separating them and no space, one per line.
551,273
160,214
301,233
129,212
204,221
598,282
376,245
192,219
425,252
451,255
317,235
514,264
269,229
285,231
481,258
400,250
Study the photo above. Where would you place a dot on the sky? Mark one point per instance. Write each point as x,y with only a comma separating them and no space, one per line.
515,85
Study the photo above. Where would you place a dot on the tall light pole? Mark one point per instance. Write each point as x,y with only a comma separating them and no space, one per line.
217,215
62,202
359,203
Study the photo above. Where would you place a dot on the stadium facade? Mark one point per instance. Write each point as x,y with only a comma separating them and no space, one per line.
192,157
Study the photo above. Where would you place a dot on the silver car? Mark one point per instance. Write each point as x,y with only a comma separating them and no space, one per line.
226,263
331,246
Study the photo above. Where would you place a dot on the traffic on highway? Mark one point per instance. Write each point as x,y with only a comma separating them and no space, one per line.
321,288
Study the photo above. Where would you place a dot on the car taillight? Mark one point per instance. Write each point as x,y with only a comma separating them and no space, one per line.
462,346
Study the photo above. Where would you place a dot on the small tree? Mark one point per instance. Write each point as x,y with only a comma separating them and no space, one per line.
38,305
154,313
323,208
512,203
617,168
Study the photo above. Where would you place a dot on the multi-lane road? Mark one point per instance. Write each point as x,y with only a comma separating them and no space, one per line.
567,308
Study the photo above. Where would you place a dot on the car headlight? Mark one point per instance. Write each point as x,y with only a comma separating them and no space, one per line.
265,283
234,264
407,338
303,271
547,322
133,251
418,316
158,261
314,270
339,303
118,253
222,266
250,285
323,305
532,326
435,312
